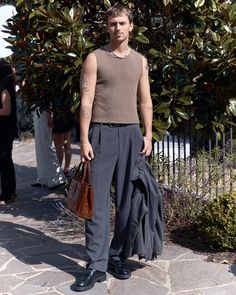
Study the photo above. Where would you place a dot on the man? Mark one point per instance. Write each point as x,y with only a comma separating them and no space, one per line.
110,137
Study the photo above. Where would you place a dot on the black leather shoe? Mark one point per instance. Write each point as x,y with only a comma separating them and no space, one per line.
118,268
86,281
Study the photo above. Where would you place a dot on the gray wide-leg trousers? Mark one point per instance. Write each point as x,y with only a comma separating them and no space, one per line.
116,150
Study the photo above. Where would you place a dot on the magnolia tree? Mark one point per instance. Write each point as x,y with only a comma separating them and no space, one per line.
190,46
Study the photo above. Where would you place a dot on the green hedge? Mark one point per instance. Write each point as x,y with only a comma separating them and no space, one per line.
218,221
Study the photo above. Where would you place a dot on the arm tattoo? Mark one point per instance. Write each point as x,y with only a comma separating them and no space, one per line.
86,112
84,83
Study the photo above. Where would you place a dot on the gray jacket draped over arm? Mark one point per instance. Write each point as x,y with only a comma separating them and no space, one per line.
146,222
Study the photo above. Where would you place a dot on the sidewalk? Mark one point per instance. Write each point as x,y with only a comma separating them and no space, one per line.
33,260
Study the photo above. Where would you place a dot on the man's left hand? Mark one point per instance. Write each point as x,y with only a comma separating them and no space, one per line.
147,149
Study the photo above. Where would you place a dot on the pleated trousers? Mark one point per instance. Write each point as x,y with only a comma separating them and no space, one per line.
116,150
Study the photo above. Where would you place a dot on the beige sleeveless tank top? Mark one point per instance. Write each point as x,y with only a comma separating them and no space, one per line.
116,88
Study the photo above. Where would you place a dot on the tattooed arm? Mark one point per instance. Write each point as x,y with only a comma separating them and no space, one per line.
87,89
146,108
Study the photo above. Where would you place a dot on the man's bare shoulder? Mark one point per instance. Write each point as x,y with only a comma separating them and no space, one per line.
90,57
90,62
144,59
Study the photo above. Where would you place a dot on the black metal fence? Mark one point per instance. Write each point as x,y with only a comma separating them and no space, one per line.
196,163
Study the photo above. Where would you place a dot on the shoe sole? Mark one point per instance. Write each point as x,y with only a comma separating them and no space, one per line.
81,289
117,276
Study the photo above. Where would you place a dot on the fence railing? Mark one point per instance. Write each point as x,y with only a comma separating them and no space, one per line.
190,162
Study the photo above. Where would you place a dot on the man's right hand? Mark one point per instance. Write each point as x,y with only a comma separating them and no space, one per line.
86,151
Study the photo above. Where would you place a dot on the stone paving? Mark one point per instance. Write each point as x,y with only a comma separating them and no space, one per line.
33,260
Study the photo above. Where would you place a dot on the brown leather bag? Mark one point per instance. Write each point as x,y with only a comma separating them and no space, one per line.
80,196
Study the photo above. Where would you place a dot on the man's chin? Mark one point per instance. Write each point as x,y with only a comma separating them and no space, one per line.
120,38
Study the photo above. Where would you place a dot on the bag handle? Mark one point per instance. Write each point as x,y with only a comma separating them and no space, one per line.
78,171
86,172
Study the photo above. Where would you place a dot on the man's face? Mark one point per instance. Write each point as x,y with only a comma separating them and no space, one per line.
119,27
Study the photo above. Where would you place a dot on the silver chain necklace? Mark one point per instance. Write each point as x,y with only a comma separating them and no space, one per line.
125,54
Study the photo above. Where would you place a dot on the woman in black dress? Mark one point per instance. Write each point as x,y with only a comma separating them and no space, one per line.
8,131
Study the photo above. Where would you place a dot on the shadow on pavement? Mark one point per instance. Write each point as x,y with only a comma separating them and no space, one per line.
34,248
25,176
38,204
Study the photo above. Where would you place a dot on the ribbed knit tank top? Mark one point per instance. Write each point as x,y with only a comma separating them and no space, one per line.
116,88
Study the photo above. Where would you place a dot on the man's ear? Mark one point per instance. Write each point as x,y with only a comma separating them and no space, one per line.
131,27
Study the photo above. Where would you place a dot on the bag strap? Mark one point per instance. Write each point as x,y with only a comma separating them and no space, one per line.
84,167
86,172
89,173
78,171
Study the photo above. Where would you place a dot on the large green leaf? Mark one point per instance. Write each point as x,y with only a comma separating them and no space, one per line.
166,92
232,106
153,52
199,126
185,100
178,62
141,30
166,2
161,107
141,38
199,3
160,125
181,113
107,3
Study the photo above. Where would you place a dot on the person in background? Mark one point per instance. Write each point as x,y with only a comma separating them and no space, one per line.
49,171
114,82
75,129
63,120
8,132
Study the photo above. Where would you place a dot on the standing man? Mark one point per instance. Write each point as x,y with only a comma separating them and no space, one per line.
114,82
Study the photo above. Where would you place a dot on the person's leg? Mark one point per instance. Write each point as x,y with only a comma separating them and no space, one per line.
77,130
58,143
40,146
97,229
67,150
105,146
8,180
130,143
48,167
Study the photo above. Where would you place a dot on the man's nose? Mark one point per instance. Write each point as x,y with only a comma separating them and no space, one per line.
118,26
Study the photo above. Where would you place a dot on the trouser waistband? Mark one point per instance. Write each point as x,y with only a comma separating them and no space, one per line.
113,124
